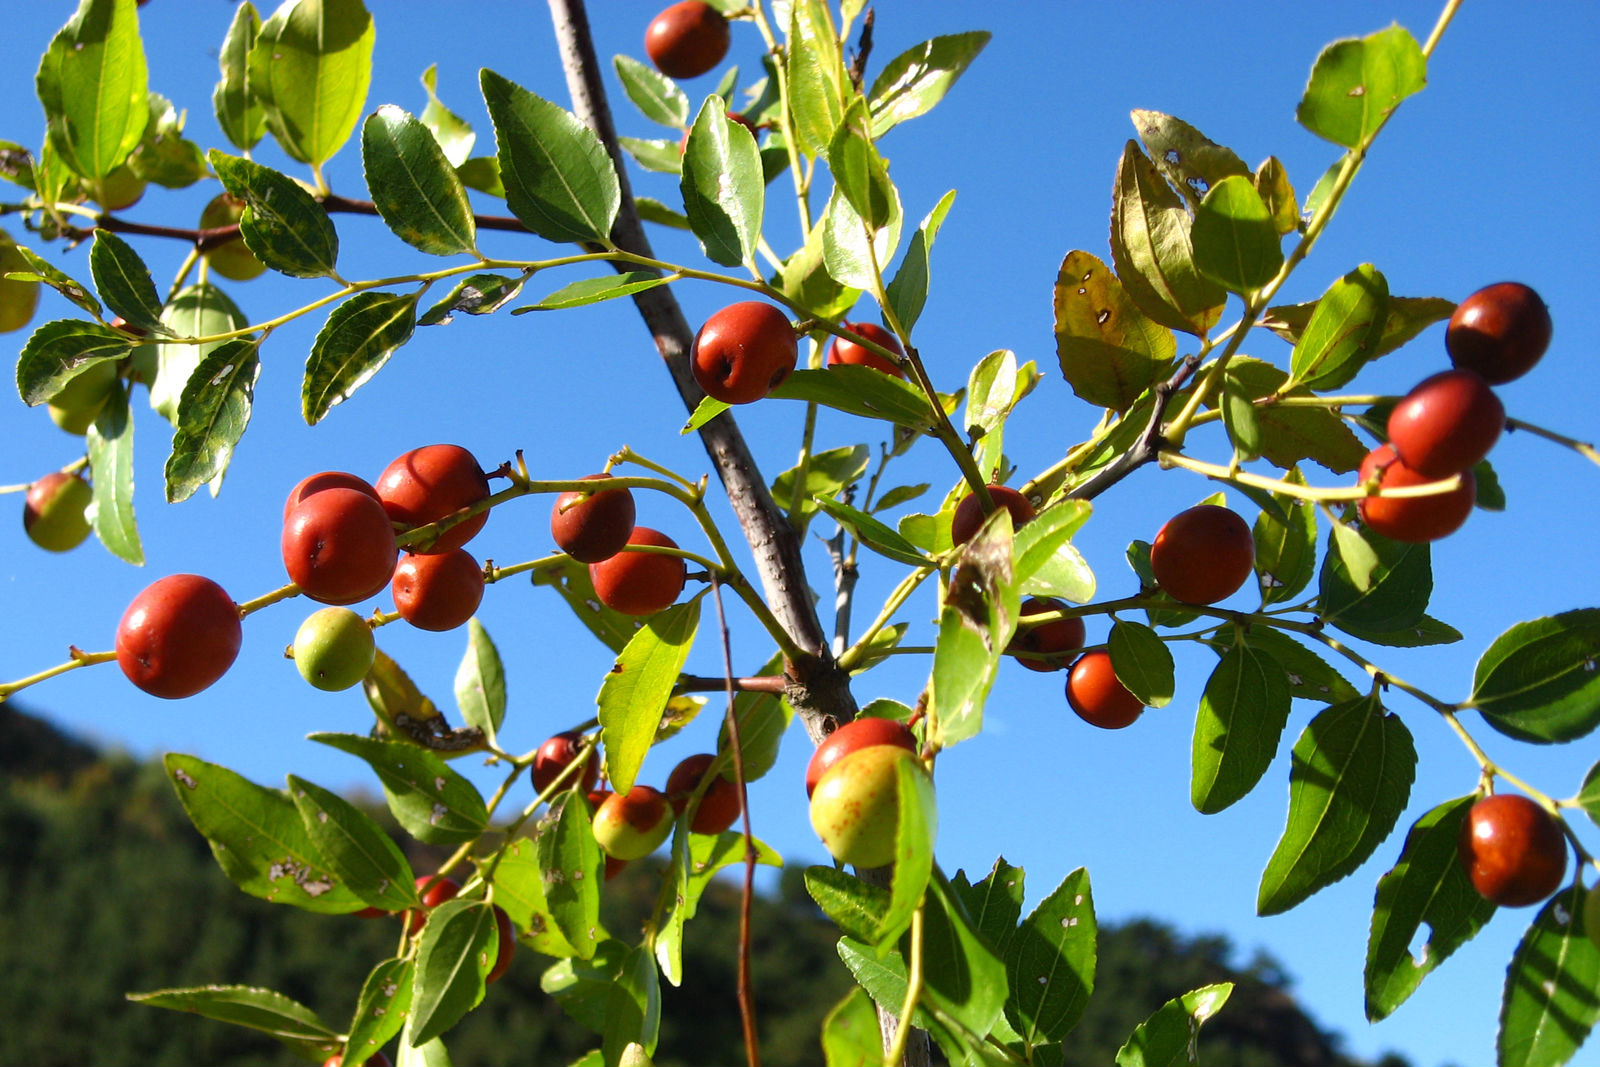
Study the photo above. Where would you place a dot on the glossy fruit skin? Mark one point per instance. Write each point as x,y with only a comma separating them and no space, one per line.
640,583
77,404
1063,635
444,889
1447,423
122,188
334,649
507,941
1512,850
853,736
18,299
233,258
1417,519
429,483
178,636
855,809
719,806
1500,331
846,351
1203,555
969,514
439,591
53,512
316,483
594,527
555,755
1097,696
687,39
338,546
743,352
632,825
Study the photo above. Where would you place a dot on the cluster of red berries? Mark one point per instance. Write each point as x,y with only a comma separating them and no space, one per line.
1450,421
598,528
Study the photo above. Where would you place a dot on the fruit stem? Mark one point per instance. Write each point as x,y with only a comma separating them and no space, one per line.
79,659
897,1049
1583,448
286,592
1222,473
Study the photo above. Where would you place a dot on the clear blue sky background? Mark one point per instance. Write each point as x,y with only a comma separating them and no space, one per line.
1484,176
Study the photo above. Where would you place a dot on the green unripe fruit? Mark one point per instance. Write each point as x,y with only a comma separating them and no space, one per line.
120,189
76,406
334,649
232,259
856,806
18,299
54,513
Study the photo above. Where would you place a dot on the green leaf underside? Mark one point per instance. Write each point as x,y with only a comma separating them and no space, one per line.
415,189
239,111
1142,662
723,193
1243,711
1290,435
354,847
257,1009
311,66
353,345
458,947
1357,83
908,289
1286,548
1344,330
874,534
1191,162
914,81
1349,781
698,858
1398,587
653,93
1168,1037
519,889
593,290
1235,241
570,580
213,414
637,688
480,682
861,391
916,828
976,622
1549,1005
633,1006
572,868
382,1008
124,281
1309,676
110,441
200,310
59,351
93,84
431,802
1539,680
1152,250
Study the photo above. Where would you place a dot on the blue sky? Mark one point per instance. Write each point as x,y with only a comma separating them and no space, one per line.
1482,177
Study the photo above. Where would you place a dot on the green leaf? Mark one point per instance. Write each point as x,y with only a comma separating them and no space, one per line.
976,622
310,68
1292,434
1408,316
415,189
633,1008
965,979
1427,885
1191,162
257,837
1550,1005
914,81
908,289
1272,184
1050,962
859,171
1142,662
856,907
874,534
900,494
884,979
763,718
212,416
240,112
257,1009
583,987
1357,82
1242,714
458,947
862,391
1046,561
1286,548
1235,240
573,868
355,848
916,828
481,682
1308,674
662,155
519,889
653,93
453,132
200,310
282,223
1109,351
557,176
1395,596
696,859
570,579
850,1036
593,290
124,281
1344,330
1168,1036
59,351
431,802
993,388
1425,631
382,1008
637,688
855,254
353,345
816,76
41,269
110,441
1349,782
826,476
1151,248
1241,421
1538,681
994,904
483,174
164,155
94,87
476,294
723,192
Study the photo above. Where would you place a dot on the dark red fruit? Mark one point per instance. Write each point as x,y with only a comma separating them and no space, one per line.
853,735
556,754
339,547
743,352
969,513
316,483
1413,519
439,591
847,351
687,39
592,527
1500,331
1097,696
178,636
1512,850
443,889
429,483
719,806
507,946
640,583
1203,555
1063,635
1447,423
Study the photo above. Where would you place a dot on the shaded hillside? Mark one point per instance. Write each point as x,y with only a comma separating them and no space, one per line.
106,889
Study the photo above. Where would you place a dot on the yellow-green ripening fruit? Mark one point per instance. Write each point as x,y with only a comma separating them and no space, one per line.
54,512
233,260
74,408
120,189
334,649
855,808
18,299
